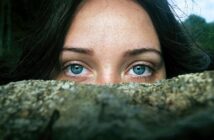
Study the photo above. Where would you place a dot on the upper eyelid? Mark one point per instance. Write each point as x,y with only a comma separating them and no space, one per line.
88,61
134,64
127,67
150,65
66,64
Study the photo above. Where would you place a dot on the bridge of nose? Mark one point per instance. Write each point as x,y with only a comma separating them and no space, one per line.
109,75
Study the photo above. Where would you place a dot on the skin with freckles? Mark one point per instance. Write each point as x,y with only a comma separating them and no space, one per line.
111,41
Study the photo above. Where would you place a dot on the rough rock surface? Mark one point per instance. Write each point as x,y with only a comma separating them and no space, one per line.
178,108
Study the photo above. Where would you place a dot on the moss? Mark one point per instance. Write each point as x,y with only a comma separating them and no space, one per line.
178,108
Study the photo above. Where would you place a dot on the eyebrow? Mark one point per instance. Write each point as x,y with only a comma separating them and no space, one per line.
79,50
142,50
127,54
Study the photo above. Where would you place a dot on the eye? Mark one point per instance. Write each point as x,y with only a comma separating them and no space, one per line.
75,70
140,70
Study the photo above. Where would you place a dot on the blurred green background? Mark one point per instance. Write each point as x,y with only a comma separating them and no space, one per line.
17,17
201,32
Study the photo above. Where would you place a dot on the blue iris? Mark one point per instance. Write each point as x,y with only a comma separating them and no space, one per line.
76,69
139,69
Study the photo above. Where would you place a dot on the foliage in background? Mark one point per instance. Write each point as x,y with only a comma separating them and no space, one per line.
201,32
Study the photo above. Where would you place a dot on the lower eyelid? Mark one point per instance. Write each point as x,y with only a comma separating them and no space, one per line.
139,79
77,78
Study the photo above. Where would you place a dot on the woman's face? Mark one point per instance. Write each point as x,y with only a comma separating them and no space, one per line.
111,41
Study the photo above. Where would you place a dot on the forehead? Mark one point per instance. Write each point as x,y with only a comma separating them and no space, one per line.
111,23
112,4
105,9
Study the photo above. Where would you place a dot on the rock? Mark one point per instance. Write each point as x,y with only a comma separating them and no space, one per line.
178,108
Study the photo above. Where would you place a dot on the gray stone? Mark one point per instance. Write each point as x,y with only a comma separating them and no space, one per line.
177,108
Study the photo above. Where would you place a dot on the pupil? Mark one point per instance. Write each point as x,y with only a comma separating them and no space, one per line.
139,69
76,69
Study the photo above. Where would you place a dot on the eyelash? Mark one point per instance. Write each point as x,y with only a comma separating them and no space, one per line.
148,66
130,67
65,69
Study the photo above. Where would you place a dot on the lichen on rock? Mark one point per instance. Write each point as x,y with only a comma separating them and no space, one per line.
177,108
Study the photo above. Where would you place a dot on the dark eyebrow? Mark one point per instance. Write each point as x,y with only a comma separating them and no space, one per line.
79,50
140,51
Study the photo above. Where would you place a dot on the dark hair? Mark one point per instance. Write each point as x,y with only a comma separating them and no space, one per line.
40,57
